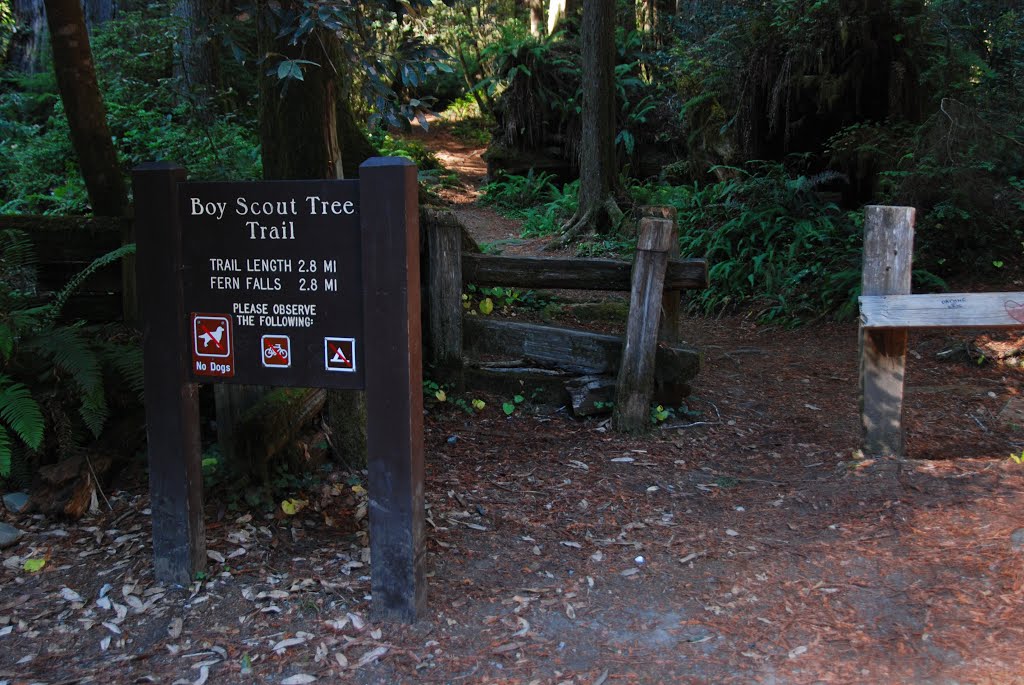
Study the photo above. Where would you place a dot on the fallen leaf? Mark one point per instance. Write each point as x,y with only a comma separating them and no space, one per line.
215,556
376,633
629,572
371,656
524,629
299,679
797,652
357,621
570,543
341,659
507,647
281,646
174,629
33,565
105,643
70,595
623,460
730,532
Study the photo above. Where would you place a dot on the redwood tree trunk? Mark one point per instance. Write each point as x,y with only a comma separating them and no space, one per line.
598,168
24,52
303,125
536,8
87,115
195,61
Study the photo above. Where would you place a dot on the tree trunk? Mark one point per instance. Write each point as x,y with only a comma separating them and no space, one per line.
537,25
25,51
302,127
98,13
560,13
598,169
87,115
196,63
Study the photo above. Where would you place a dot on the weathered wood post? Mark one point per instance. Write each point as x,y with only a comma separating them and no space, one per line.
671,299
394,385
444,240
888,254
635,384
172,409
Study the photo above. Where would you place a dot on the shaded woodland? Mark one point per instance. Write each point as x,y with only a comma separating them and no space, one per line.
767,127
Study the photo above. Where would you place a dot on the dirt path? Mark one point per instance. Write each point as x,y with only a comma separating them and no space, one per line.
491,230
741,543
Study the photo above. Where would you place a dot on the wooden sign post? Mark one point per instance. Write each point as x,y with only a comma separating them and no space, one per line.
285,283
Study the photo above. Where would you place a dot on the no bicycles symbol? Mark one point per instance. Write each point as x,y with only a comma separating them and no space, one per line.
276,351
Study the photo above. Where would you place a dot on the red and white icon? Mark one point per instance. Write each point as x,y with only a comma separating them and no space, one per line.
340,354
277,351
211,336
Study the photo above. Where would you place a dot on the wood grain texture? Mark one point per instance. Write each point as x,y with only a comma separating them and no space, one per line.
948,310
172,405
573,350
888,253
574,274
635,384
444,294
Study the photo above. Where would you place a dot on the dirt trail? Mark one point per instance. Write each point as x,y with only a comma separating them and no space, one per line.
490,229
740,542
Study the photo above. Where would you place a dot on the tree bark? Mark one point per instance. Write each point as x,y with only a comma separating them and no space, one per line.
25,51
302,127
537,25
87,115
98,12
196,62
598,169
560,13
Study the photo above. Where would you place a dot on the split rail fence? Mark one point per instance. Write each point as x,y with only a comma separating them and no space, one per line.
888,312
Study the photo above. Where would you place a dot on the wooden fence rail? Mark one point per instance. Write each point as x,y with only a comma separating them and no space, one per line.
888,311
64,245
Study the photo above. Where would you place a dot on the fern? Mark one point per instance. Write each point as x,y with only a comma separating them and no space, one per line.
55,307
20,414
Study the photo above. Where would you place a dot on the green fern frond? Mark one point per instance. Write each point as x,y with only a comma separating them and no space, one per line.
126,360
20,411
61,298
5,453
94,411
71,353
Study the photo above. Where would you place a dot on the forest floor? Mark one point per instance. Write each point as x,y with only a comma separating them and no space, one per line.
745,542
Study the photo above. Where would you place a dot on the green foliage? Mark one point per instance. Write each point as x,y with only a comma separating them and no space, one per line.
148,117
771,242
548,219
504,300
53,374
515,195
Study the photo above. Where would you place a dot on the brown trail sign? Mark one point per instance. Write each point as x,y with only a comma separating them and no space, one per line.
285,283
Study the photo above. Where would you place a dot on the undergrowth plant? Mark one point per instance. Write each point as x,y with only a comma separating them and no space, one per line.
516,196
54,375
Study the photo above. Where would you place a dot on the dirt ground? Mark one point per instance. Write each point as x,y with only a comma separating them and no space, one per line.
742,542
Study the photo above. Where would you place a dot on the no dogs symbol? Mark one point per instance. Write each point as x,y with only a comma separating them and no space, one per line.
212,351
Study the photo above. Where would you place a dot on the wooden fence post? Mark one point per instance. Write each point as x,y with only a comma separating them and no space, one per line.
172,407
671,299
388,195
635,384
888,255
444,240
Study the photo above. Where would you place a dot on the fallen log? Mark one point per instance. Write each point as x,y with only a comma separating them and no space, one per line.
576,351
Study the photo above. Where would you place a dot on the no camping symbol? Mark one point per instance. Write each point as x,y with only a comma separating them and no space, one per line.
340,354
213,352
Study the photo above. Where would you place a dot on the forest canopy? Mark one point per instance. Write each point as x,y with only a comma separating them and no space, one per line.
767,125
